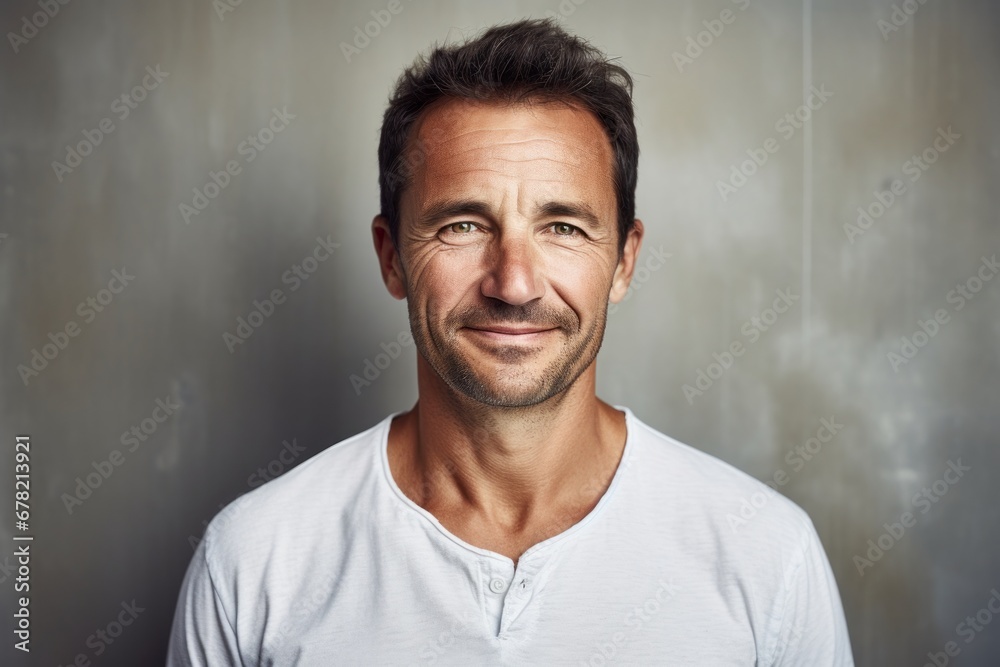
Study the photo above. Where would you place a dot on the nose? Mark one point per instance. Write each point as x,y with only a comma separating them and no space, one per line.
513,271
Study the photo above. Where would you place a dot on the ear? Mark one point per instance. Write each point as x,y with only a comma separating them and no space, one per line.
626,265
388,258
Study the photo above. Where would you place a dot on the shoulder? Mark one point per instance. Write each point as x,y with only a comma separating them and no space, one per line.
742,544
717,496
288,509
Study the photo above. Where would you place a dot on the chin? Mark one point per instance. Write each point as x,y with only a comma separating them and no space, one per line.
501,398
494,386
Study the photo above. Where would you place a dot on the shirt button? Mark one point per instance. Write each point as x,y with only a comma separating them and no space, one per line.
497,585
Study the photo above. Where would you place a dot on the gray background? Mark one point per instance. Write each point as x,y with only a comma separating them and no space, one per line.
826,357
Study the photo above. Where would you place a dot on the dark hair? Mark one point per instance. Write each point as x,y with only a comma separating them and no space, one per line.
526,61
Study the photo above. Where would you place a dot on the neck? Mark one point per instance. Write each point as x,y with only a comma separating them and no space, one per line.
508,468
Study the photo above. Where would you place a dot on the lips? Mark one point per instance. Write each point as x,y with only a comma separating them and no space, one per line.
501,334
511,330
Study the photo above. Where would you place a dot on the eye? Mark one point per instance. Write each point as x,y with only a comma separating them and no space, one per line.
563,229
461,233
461,227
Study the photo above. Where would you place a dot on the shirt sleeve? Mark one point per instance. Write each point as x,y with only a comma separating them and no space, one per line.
812,628
202,634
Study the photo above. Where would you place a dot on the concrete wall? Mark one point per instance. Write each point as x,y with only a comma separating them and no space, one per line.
857,290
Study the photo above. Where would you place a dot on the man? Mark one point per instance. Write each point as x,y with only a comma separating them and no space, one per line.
510,517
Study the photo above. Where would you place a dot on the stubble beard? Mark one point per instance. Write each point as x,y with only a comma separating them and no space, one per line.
441,347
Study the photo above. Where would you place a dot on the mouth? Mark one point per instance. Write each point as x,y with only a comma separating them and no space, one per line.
512,334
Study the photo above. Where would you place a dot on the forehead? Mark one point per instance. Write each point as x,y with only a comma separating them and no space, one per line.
553,146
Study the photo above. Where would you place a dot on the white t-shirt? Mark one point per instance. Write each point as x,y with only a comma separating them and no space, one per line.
331,564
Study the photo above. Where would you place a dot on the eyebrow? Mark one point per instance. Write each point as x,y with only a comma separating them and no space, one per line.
451,208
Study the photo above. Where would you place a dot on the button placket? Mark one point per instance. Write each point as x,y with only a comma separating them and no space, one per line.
518,594
496,578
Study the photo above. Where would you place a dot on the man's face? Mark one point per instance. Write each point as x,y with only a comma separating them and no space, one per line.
508,247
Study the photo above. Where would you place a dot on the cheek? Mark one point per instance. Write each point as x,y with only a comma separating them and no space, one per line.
442,278
584,288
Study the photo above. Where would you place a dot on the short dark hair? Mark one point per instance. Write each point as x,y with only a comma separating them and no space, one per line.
525,61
